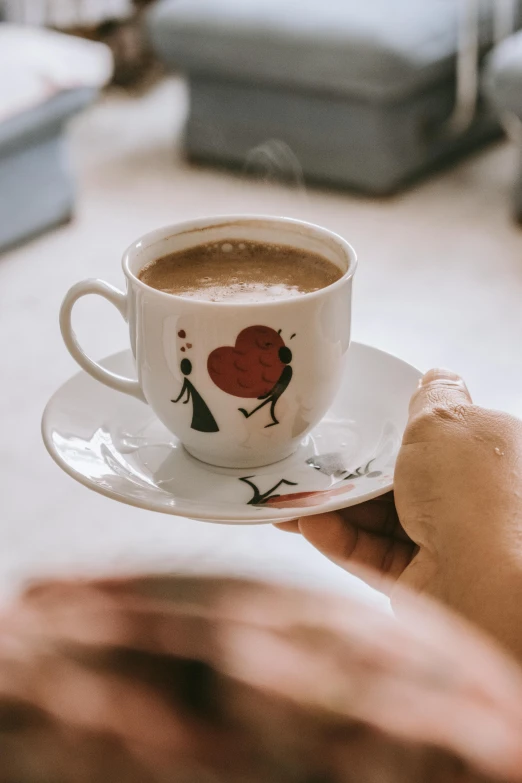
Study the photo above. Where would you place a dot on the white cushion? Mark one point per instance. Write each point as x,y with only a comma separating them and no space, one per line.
36,64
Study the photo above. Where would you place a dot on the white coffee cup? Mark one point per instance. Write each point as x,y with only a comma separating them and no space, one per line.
191,386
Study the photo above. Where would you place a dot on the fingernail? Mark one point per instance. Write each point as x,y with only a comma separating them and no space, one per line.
439,374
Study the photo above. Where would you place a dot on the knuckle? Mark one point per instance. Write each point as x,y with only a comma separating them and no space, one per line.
450,412
428,424
462,421
442,400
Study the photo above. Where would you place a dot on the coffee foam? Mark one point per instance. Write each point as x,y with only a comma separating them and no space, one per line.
240,271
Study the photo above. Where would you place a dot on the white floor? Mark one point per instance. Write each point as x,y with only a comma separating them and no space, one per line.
439,283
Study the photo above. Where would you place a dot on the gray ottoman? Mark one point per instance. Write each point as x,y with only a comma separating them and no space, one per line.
503,85
36,188
360,91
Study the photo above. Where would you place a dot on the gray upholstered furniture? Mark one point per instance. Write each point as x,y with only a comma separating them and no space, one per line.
503,85
36,187
362,92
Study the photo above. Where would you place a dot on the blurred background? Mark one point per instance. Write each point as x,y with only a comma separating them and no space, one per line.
396,125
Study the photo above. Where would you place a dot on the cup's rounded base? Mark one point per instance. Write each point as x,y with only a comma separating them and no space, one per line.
241,463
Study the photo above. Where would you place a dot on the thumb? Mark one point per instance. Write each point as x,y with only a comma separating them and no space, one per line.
439,390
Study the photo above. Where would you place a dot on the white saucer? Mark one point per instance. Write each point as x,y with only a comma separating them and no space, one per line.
114,445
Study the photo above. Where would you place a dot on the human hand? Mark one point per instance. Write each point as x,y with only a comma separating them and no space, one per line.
458,484
458,495
366,539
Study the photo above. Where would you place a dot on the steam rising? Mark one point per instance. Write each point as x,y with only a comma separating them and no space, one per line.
274,162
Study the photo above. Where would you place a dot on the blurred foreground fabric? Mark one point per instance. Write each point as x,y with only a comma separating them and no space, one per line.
198,680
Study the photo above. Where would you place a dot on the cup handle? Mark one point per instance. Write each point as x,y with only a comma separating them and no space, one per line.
119,300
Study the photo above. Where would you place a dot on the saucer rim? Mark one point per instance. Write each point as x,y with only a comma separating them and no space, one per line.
182,508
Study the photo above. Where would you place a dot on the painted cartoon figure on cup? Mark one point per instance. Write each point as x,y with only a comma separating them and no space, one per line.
257,367
284,355
202,418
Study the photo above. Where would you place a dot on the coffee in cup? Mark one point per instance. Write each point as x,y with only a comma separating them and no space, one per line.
240,272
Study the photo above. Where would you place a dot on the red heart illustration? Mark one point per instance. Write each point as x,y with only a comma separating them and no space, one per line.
252,367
